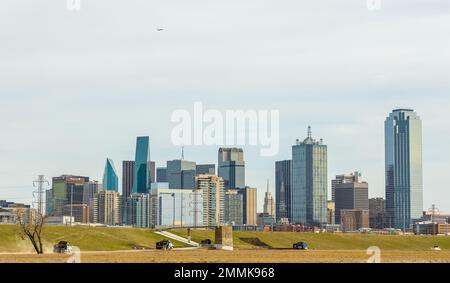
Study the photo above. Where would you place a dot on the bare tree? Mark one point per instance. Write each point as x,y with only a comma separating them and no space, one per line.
31,225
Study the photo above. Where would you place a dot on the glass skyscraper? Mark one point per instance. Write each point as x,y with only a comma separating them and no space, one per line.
141,180
110,178
403,158
309,182
231,167
283,191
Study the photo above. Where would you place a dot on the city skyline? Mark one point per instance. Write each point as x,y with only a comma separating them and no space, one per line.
314,62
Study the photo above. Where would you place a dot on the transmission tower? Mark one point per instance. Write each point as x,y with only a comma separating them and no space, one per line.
39,194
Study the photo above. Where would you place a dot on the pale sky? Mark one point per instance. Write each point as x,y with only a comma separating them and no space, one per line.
78,87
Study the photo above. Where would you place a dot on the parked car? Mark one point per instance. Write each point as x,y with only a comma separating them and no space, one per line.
164,245
62,247
300,246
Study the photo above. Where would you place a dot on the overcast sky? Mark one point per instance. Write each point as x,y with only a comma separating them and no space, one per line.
78,87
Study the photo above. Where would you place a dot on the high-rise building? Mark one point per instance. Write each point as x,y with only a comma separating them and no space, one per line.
110,178
161,175
309,182
79,212
344,178
231,167
269,203
331,212
354,219
176,207
127,178
377,213
108,207
152,171
351,195
141,180
283,190
138,210
249,200
181,174
213,193
403,158
206,169
66,189
234,207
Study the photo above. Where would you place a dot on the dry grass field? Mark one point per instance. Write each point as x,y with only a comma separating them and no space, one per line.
237,256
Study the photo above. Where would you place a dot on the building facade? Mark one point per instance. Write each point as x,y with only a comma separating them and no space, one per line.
108,208
351,195
234,210
283,190
141,180
231,167
161,175
127,178
354,219
110,178
377,213
181,174
249,197
213,196
309,182
269,203
403,165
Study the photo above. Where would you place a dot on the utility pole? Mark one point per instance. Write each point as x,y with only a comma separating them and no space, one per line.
39,194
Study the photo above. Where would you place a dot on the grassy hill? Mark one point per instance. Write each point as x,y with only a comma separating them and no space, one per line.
109,239
282,240
86,238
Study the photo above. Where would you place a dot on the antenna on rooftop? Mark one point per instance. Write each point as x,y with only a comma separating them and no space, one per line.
309,132
182,152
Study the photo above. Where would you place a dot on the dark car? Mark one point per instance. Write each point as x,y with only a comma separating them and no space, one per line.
62,247
164,245
205,243
300,246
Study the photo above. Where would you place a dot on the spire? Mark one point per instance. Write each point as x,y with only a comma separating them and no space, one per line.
309,132
182,152
267,185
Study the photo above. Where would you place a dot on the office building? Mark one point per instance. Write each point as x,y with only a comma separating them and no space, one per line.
78,212
161,175
181,174
354,219
108,207
213,193
176,207
283,191
138,211
344,178
233,207
141,180
127,178
331,212
66,189
351,195
231,167
206,169
377,213
110,178
403,158
249,197
269,203
309,182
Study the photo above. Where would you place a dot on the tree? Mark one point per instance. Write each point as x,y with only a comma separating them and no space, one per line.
31,225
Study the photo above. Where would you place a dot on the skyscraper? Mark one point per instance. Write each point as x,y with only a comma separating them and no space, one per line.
181,174
66,189
127,178
141,181
283,191
213,195
206,169
269,203
110,178
351,195
108,207
234,207
161,174
403,165
309,182
232,167
344,178
249,200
